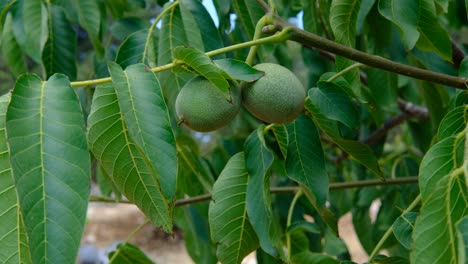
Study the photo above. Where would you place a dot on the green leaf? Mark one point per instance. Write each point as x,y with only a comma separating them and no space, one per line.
59,54
30,27
403,228
436,164
110,142
434,37
466,7
281,136
453,123
45,127
364,10
248,12
403,14
303,226
189,156
146,116
390,260
202,64
258,159
11,50
106,185
194,225
132,49
462,234
305,163
12,233
334,103
198,22
362,153
313,258
239,70
418,25
343,17
89,17
127,253
444,202
229,224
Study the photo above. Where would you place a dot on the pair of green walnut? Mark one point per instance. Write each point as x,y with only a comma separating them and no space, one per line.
277,97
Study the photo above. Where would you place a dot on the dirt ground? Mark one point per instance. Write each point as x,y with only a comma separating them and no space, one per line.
111,223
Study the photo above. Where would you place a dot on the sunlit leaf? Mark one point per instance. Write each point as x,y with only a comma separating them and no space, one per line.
229,224
146,117
343,17
45,127
258,159
122,159
59,54
403,228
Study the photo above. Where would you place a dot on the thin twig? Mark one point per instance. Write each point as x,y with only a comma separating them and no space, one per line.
287,189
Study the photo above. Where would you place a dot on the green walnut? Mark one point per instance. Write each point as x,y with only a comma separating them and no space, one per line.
277,97
201,106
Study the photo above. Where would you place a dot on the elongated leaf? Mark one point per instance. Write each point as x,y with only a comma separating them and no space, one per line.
334,103
453,123
258,159
364,10
59,54
172,35
239,70
195,13
390,260
203,65
444,202
189,156
304,226
129,254
313,258
281,136
362,153
404,15
343,17
434,37
305,162
45,127
436,164
30,27
132,49
12,233
418,24
122,159
89,17
434,234
196,233
462,233
229,224
248,12
403,228
11,50
146,117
